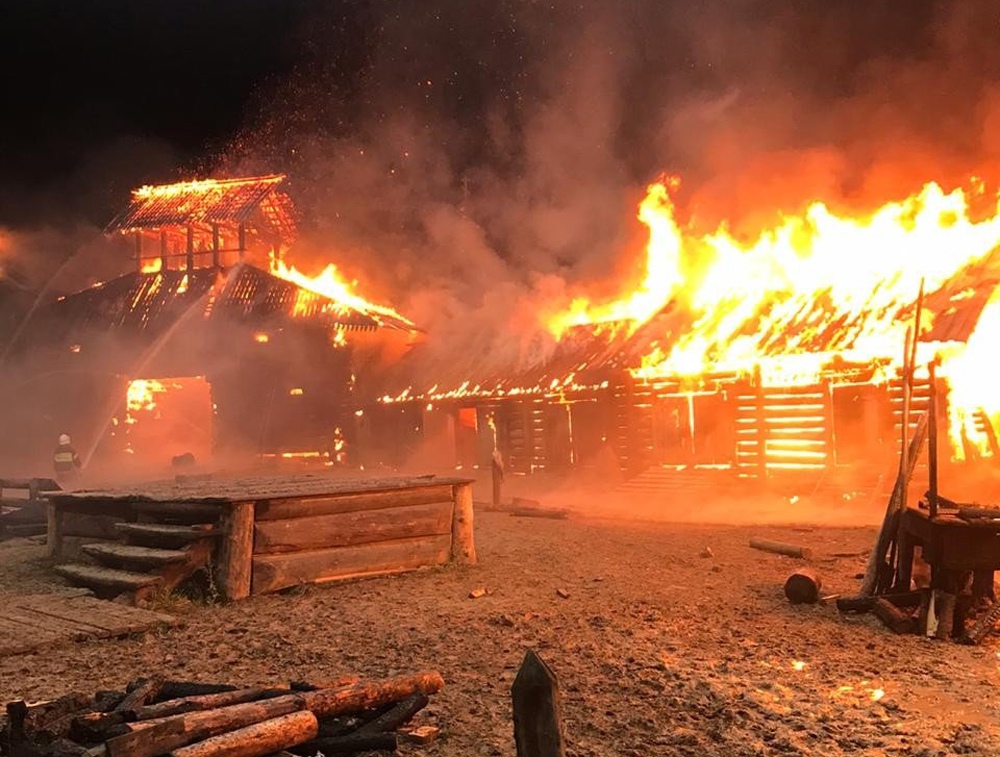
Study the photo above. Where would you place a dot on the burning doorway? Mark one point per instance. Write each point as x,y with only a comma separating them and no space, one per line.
168,417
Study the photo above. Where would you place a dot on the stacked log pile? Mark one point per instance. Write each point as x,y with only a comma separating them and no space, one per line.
154,717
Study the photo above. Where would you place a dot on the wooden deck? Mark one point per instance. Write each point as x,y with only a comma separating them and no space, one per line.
250,488
38,621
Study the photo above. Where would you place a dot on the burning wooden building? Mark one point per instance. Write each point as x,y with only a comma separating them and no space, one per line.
777,360
210,345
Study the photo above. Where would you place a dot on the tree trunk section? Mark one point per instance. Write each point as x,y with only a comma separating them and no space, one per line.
463,542
236,550
256,740
366,696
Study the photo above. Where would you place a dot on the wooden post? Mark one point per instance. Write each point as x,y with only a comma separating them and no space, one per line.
242,240
163,250
54,537
758,381
537,723
190,249
137,239
496,467
932,446
463,542
236,552
215,245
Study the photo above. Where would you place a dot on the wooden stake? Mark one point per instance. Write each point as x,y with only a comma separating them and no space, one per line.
537,721
932,445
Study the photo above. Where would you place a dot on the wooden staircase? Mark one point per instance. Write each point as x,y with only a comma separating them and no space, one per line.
148,557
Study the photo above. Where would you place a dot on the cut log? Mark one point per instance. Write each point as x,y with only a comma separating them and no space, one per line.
893,618
206,702
350,744
400,714
222,719
463,540
780,548
352,528
257,740
303,507
96,726
332,683
236,550
371,695
274,572
803,587
152,741
865,604
144,691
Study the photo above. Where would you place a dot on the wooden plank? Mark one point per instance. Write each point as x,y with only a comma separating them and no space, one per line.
463,542
278,509
54,532
236,550
352,528
100,613
70,628
274,572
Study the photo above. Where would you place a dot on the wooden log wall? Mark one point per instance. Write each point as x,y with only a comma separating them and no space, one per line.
333,537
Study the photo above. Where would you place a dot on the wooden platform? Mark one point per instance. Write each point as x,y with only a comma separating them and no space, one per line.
34,622
271,533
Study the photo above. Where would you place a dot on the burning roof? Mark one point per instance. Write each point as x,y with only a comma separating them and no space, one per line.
208,201
149,303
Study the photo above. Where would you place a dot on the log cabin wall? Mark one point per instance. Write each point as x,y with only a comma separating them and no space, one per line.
338,536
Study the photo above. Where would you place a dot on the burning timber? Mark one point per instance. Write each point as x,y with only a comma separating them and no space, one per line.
211,346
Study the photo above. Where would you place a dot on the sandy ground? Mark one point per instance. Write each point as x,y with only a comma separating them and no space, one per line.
658,651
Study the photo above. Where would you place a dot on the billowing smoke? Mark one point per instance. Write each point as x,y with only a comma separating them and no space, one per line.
484,160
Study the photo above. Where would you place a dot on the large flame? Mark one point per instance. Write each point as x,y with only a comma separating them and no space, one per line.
818,286
329,283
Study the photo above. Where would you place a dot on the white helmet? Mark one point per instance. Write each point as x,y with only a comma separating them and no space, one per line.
64,439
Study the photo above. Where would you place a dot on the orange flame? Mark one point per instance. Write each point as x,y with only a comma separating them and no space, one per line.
844,283
329,283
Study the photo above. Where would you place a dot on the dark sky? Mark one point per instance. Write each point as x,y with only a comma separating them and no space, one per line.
145,84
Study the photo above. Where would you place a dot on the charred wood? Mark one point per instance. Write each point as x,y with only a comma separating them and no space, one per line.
865,604
144,691
803,587
350,744
181,689
892,617
400,714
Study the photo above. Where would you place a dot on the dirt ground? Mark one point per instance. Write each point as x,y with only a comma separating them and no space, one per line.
658,650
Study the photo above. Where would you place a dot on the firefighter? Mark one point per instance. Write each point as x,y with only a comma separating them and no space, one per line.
65,460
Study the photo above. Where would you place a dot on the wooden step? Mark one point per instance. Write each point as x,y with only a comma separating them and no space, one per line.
178,512
106,581
162,535
131,557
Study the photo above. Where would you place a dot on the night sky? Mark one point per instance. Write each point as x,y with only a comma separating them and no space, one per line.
536,122
125,89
